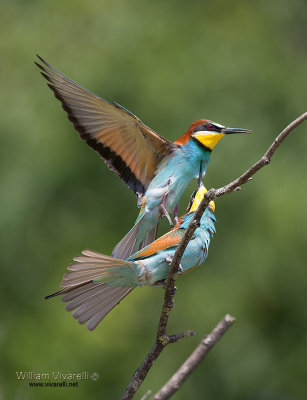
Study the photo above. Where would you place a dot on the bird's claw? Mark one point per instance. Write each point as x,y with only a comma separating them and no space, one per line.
162,205
175,214
162,283
166,214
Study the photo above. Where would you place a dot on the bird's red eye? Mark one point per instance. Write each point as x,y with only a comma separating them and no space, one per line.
210,127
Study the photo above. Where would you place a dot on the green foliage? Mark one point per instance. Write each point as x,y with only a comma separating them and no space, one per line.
238,63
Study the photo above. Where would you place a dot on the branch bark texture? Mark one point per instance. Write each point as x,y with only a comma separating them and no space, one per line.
162,338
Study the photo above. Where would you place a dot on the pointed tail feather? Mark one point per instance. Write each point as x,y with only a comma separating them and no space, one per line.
63,291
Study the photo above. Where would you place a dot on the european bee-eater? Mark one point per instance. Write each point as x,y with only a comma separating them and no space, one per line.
96,282
157,170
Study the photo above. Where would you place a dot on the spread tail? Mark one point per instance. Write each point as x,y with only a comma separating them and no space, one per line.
86,287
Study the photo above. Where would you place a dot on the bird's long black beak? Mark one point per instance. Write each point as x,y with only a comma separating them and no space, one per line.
228,131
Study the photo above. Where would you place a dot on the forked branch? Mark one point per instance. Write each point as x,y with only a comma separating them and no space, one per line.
194,359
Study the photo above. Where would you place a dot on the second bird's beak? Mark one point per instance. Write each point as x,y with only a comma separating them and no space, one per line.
228,131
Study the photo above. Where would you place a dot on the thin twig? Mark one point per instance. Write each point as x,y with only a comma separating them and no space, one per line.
162,339
265,159
194,359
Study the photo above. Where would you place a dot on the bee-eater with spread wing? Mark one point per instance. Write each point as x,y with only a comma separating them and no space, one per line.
96,282
157,170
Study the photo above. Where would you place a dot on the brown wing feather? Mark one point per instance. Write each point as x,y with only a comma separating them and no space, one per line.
130,148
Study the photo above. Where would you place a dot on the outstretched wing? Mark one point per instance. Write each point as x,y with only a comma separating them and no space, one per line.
129,148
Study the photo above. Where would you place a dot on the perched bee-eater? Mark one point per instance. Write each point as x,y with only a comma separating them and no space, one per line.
96,282
157,170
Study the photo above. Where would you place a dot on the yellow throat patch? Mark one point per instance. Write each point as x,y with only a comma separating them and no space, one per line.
198,198
208,139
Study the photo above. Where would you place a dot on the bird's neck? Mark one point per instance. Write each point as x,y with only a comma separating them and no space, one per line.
196,153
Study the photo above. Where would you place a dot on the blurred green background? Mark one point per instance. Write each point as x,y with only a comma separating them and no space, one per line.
170,62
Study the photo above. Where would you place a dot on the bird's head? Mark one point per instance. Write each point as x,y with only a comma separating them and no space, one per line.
208,133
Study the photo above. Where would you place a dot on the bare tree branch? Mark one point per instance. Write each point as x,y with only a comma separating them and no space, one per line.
265,159
162,339
194,359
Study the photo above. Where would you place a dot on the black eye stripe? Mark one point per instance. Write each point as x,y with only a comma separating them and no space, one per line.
207,127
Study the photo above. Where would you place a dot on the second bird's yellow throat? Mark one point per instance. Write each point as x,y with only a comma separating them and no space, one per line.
198,198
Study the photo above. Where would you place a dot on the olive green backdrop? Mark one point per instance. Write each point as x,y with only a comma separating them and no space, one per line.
170,62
